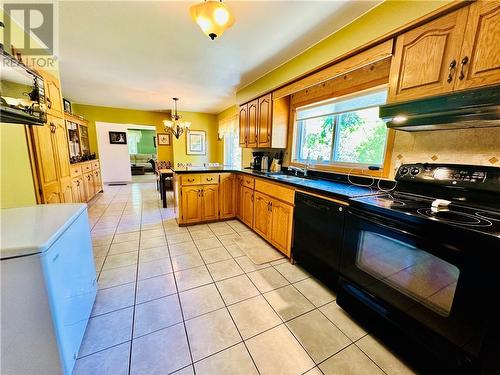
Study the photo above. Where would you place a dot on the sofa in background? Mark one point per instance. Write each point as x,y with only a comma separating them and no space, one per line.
142,160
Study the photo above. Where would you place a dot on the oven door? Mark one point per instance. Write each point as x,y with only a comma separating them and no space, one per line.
421,273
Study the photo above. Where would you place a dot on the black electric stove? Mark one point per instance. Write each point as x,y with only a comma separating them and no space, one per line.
473,193
420,264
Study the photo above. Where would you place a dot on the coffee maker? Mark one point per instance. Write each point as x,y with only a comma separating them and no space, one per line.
256,163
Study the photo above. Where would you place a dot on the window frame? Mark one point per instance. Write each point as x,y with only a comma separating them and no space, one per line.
339,167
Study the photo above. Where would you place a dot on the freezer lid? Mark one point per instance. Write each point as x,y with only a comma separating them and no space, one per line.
31,230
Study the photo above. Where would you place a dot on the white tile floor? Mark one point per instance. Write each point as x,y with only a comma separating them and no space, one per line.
177,300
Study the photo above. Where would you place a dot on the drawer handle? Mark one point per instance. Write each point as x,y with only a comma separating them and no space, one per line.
248,181
464,62
190,179
209,179
49,102
451,70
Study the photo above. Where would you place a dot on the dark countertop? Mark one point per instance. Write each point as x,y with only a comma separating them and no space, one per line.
320,186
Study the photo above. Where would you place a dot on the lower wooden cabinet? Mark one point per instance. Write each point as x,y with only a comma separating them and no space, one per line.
247,205
67,190
281,226
200,203
88,184
262,214
227,195
78,190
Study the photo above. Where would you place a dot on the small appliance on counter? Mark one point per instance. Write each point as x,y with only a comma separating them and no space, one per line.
419,266
256,163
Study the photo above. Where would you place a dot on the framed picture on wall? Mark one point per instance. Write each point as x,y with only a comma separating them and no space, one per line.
196,143
163,139
67,105
118,138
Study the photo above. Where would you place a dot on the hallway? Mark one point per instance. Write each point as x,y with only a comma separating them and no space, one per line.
187,300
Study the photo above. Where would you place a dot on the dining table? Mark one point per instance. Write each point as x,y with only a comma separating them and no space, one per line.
163,175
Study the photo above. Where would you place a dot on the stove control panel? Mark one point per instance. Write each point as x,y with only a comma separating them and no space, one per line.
471,176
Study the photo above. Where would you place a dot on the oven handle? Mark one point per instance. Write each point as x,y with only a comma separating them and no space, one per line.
373,219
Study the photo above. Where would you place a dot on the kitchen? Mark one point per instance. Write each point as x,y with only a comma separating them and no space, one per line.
356,234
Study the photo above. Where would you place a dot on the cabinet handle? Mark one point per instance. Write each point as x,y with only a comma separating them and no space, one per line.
464,62
96,173
77,182
451,70
190,179
52,127
341,209
248,182
210,179
49,102
251,197
88,177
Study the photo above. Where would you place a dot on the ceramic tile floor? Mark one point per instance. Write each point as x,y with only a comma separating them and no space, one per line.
177,300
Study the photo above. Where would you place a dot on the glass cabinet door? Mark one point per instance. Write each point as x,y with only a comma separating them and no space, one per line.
73,140
84,139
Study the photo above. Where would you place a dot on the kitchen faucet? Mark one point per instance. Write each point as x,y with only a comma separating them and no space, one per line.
301,170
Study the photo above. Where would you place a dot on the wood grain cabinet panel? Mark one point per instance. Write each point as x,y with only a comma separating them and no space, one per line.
78,190
239,200
262,214
210,202
281,226
227,195
88,185
479,63
53,95
243,125
426,58
247,206
191,204
97,181
264,123
252,123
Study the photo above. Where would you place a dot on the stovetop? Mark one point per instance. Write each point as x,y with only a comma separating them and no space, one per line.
465,217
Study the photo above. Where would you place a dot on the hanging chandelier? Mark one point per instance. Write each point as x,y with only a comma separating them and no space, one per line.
174,126
213,17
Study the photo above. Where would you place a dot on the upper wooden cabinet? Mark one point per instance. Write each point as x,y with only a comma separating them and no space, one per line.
454,52
253,124
263,122
479,63
243,124
53,95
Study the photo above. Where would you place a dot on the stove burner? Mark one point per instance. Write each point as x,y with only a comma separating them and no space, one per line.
455,217
495,216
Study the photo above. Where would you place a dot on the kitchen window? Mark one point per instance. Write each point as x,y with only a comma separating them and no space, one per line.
345,131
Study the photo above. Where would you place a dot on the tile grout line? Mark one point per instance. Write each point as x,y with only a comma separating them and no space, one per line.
225,306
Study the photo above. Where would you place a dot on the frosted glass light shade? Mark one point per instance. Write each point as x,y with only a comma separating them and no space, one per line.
213,17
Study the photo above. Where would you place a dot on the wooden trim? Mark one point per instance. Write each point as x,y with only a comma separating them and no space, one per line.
75,118
33,162
323,197
374,54
457,4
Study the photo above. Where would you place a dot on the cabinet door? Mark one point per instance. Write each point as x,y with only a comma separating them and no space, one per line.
191,204
227,193
88,184
264,121
243,125
210,202
77,187
262,215
426,60
239,200
247,206
53,95
67,191
479,63
60,139
47,163
252,123
281,226
97,181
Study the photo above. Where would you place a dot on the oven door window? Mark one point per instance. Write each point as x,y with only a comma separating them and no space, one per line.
418,274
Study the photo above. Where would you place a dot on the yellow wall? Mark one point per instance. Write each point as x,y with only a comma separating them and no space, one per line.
122,116
199,121
384,18
16,182
176,152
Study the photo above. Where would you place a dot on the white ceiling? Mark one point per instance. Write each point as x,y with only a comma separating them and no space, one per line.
140,54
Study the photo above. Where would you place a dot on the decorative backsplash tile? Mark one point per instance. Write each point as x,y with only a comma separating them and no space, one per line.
462,146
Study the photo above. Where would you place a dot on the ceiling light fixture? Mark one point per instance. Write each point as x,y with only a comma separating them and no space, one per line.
213,17
175,126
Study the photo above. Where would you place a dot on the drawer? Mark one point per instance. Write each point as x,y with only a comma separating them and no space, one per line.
76,170
190,179
95,165
210,178
274,190
249,182
86,167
